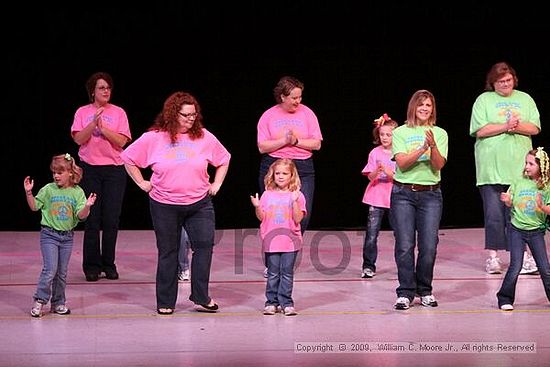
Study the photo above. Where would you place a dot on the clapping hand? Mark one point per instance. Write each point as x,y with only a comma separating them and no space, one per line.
506,198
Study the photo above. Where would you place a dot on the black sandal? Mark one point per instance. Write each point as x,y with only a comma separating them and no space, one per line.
165,311
206,308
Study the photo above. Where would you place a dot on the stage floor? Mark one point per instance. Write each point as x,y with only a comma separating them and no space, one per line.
342,320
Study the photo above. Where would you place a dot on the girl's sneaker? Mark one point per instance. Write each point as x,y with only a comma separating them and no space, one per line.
60,310
183,276
402,303
36,310
529,265
493,265
289,311
368,273
507,307
270,310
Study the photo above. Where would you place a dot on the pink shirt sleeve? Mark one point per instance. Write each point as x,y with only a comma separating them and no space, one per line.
180,170
98,150
278,231
275,122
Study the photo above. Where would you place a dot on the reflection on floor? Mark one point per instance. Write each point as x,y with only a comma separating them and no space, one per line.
342,320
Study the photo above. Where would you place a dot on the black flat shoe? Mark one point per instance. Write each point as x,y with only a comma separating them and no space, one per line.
165,311
112,275
92,277
207,308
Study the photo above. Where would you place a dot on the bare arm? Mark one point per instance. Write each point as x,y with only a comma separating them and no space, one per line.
85,134
135,173
269,146
219,177
114,137
437,161
512,126
506,198
309,144
84,212
381,168
28,185
256,204
540,204
297,213
290,138
405,160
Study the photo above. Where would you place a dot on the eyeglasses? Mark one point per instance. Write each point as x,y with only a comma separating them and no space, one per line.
188,115
505,81
103,88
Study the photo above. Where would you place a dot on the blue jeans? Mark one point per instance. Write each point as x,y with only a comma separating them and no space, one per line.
370,246
280,278
198,220
306,171
183,252
415,217
535,241
496,216
56,248
109,183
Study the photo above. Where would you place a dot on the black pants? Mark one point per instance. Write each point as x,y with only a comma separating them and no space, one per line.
109,183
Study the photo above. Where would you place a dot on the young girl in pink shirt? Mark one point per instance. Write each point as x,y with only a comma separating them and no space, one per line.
379,169
280,209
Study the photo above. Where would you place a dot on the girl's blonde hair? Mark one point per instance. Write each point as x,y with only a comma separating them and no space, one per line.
544,166
269,180
64,162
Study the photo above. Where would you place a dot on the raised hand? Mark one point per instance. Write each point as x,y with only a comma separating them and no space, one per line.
28,183
91,199
255,200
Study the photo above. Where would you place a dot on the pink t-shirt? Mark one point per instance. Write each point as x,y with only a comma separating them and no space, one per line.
378,192
275,122
98,151
278,231
180,170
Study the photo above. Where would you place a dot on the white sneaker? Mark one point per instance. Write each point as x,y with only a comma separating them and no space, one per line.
507,307
270,310
402,303
289,311
36,310
183,276
529,265
493,265
61,310
428,301
367,273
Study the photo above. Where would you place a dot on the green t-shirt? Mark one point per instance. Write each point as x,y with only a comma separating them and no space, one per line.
407,139
525,214
60,206
500,158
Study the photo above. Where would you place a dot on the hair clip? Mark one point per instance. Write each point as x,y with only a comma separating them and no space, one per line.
539,153
381,120
68,157
544,165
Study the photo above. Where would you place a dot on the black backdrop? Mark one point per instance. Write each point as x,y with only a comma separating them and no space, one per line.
357,62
